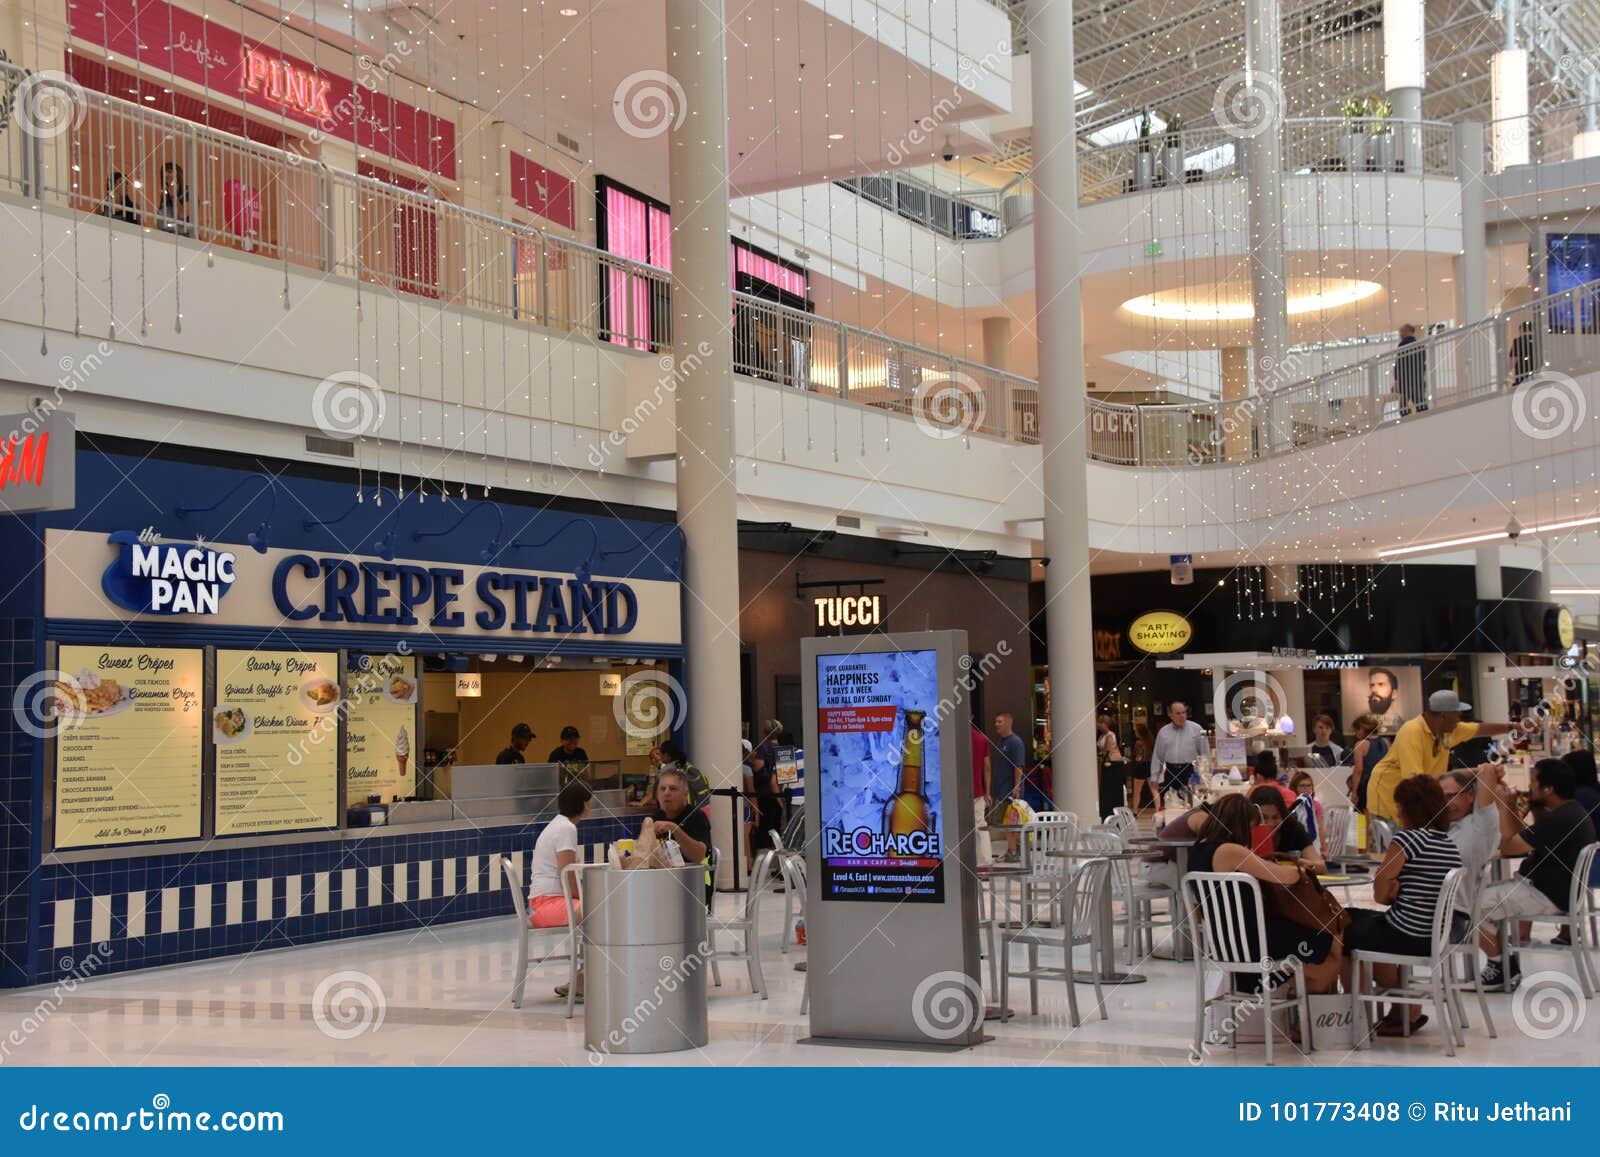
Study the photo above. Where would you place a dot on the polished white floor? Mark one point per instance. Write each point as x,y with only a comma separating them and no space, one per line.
444,1000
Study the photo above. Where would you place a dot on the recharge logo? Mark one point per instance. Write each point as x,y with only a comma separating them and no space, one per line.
865,842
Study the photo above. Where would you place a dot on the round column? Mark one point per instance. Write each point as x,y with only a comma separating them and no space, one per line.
1269,286
707,472
1063,435
1492,701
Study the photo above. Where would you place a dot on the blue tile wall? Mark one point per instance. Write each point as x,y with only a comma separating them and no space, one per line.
17,662
107,899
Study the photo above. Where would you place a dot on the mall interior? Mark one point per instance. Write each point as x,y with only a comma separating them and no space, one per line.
737,486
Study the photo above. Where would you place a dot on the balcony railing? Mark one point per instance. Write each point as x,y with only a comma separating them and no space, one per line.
227,192
1543,345
1545,136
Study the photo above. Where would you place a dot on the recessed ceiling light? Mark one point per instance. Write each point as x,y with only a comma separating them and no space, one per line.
1190,304
569,12
836,136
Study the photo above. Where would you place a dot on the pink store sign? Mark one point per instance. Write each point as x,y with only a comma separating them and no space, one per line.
206,52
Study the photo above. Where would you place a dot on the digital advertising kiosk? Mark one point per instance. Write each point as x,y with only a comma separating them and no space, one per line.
892,893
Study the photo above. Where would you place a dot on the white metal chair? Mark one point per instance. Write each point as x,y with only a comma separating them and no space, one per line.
1580,918
1443,985
555,936
1336,832
1123,822
1380,834
792,895
744,926
1137,896
1048,832
1074,906
1228,926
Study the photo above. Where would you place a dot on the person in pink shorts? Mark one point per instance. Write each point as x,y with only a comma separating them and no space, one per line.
556,848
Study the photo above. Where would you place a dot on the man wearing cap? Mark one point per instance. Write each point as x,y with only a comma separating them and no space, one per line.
521,735
568,751
1422,747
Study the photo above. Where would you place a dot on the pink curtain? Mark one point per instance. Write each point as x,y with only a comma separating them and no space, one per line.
768,270
628,235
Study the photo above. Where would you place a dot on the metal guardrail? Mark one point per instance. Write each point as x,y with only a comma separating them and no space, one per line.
226,192
1545,343
1547,135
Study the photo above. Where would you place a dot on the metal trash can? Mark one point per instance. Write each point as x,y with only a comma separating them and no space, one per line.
645,959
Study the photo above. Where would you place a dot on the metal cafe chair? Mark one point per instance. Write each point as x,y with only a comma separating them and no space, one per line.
1336,832
1046,832
1579,917
1136,896
792,864
745,927
1443,985
1073,904
1221,907
556,937
1123,822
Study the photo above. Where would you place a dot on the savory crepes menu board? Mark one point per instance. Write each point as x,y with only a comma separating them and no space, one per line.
275,725
127,745
381,693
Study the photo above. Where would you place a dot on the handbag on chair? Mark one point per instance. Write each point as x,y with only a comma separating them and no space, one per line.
1306,903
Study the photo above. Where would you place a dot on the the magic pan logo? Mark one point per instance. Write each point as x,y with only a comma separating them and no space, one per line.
865,842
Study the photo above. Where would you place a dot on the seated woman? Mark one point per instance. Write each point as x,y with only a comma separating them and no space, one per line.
1224,846
1280,834
556,848
1408,880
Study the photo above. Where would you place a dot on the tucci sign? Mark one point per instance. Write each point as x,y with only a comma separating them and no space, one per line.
845,613
166,578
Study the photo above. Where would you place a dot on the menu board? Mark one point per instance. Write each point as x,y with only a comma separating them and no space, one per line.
128,745
275,726
878,777
381,693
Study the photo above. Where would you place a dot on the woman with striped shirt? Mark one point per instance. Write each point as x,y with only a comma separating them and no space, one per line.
1408,880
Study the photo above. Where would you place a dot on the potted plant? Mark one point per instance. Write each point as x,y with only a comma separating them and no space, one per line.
1353,148
1380,135
1144,161
1172,156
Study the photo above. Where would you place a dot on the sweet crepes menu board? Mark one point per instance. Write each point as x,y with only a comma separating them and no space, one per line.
128,745
381,693
275,726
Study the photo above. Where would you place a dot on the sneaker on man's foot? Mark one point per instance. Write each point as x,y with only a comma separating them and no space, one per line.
1494,975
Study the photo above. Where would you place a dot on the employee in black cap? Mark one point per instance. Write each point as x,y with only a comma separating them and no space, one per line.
521,735
569,751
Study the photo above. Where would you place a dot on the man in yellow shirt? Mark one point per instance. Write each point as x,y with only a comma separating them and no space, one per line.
1422,747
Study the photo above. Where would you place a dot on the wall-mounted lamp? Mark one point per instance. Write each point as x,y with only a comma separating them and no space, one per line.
491,551
584,571
259,538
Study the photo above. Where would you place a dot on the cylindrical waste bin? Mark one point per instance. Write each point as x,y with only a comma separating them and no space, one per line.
645,959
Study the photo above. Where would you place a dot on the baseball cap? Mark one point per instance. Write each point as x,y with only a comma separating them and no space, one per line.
745,743
522,731
569,732
1441,701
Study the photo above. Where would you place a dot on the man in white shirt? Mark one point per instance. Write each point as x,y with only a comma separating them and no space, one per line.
1178,746
1472,806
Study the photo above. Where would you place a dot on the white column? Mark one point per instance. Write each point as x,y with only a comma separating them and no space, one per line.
1238,434
1472,274
1508,79
1293,682
1061,406
701,306
996,342
1405,73
1269,287
1492,701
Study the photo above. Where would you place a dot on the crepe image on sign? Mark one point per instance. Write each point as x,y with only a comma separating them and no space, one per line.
401,689
320,694
229,724
88,694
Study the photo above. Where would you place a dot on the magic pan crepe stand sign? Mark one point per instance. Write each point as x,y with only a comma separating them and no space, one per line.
892,903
